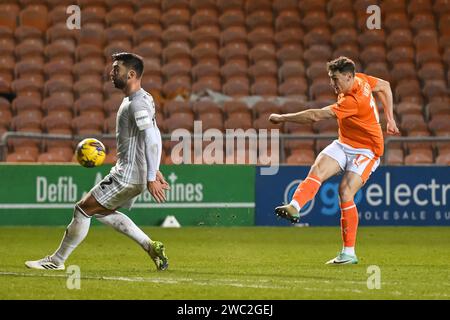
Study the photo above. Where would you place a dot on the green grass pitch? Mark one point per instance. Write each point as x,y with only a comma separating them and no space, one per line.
232,263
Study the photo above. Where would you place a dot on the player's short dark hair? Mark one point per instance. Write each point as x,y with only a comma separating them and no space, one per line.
341,64
130,61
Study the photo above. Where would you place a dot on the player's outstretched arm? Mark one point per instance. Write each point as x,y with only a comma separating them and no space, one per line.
384,92
307,116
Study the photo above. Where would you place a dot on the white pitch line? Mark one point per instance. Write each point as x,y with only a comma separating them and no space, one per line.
222,282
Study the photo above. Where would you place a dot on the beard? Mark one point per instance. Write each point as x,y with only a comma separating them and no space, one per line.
119,83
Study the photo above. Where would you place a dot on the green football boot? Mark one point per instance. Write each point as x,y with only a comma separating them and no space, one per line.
288,212
158,255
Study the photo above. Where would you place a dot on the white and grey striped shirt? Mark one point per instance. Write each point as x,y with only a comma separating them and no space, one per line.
136,115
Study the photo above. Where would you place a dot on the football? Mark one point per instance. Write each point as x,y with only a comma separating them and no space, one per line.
90,153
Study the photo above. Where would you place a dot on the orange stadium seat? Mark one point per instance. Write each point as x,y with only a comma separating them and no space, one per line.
315,19
204,17
206,106
87,125
235,105
236,86
293,87
203,4
231,17
180,120
205,34
234,68
287,19
290,52
301,157
211,121
263,68
394,156
176,32
289,36
207,83
58,101
284,5
239,120
176,106
264,86
206,69
264,107
176,16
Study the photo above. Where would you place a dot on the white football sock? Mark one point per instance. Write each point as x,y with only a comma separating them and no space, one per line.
295,204
349,250
125,225
75,233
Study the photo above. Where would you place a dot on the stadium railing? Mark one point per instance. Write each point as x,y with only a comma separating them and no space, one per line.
167,137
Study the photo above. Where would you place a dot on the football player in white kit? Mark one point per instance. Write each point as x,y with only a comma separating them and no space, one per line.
138,158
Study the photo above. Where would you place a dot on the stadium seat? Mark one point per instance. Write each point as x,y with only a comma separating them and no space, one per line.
24,104
87,125
290,35
344,36
443,158
239,120
313,19
318,36
212,83
235,105
148,32
58,120
206,106
259,18
58,101
120,14
207,69
21,157
293,87
34,16
264,107
263,68
284,5
301,157
176,16
178,67
263,122
180,120
5,118
342,19
287,19
395,156
176,32
234,68
419,156
209,33
211,121
177,86
435,109
203,4
263,51
174,106
265,86
236,86
204,17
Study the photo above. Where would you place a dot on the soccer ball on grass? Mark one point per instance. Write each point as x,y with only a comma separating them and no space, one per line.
90,153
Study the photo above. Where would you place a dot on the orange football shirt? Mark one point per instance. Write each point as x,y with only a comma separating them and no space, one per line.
358,118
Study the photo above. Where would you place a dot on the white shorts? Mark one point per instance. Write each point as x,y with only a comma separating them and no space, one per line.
360,161
111,193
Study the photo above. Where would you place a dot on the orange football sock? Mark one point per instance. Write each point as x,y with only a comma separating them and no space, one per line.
349,223
306,191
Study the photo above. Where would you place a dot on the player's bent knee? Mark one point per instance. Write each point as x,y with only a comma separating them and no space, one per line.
90,206
345,193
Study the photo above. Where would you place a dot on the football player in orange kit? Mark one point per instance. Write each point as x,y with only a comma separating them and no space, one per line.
356,153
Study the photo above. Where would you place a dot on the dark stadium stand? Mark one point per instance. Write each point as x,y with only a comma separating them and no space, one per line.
55,80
